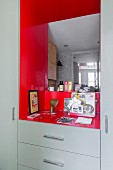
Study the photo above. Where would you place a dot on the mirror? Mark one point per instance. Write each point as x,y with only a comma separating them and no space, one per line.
76,43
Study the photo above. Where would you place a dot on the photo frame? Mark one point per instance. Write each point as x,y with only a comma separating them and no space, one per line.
33,101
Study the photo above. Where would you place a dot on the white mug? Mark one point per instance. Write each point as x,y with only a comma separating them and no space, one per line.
51,88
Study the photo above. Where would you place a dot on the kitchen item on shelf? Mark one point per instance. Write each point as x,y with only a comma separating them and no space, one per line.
77,87
53,104
61,86
69,86
66,86
58,88
51,88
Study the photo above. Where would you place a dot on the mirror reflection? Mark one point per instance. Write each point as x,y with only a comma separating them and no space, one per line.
73,51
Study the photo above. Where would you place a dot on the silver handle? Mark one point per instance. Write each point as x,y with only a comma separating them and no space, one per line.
13,113
54,137
106,124
53,162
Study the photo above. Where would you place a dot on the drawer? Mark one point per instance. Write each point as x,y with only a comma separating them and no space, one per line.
20,167
51,159
68,138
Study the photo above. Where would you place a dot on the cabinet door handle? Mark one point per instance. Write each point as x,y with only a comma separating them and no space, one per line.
13,113
54,137
106,124
53,162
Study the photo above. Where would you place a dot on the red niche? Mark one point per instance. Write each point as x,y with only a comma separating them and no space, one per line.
34,18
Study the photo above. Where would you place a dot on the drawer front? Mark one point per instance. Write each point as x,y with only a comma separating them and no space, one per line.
68,138
20,167
50,159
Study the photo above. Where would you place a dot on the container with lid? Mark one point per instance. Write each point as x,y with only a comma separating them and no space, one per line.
66,86
61,86
69,86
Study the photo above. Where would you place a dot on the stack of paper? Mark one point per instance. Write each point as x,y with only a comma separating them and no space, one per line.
83,120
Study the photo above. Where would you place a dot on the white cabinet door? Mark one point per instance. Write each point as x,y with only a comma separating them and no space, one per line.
21,167
51,159
68,138
8,83
107,85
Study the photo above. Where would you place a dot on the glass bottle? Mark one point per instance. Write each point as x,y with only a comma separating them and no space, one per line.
61,86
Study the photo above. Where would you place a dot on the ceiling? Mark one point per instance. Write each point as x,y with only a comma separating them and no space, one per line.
80,34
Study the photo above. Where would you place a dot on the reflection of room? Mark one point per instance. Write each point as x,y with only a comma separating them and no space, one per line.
77,48
88,67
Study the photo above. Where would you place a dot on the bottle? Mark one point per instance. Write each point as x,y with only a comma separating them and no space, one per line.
69,86
61,86
65,86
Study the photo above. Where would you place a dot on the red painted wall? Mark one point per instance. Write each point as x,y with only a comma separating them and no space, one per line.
44,11
56,95
34,40
60,97
33,64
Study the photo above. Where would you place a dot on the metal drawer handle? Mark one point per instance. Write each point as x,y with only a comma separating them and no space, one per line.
53,137
13,113
106,124
53,162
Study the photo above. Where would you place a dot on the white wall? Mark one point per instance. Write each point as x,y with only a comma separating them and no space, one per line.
86,56
65,72
84,75
75,72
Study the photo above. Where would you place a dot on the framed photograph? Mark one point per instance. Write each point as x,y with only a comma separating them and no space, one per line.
33,101
67,101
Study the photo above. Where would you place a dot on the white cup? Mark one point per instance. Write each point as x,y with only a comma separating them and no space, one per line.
51,88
